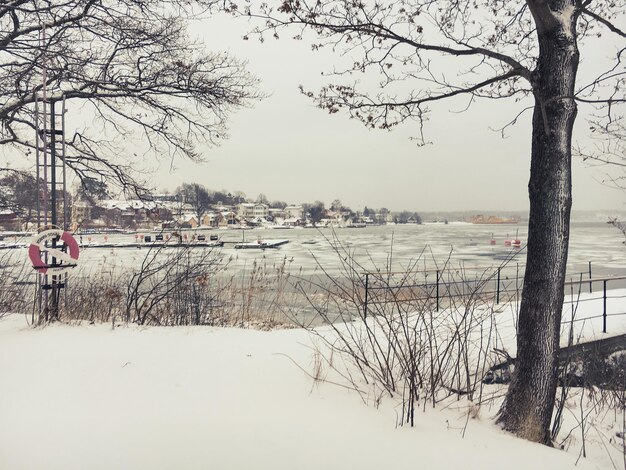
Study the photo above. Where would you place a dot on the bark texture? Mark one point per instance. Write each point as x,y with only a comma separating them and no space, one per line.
527,410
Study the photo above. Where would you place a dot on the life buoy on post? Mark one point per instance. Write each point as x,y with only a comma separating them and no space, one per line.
66,260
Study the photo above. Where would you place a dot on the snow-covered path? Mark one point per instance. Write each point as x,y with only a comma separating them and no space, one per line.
89,397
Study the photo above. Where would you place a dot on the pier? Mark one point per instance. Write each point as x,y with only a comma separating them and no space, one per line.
260,244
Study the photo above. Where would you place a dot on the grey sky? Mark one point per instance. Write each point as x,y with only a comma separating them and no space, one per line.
290,150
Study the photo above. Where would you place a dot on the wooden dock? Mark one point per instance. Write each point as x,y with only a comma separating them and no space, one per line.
157,244
260,244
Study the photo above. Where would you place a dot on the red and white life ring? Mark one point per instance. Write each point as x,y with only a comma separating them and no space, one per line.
65,260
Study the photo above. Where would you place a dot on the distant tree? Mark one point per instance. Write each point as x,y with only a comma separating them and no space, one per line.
261,199
315,211
18,193
229,198
382,215
92,190
197,196
239,197
417,218
220,197
403,217
278,204
336,205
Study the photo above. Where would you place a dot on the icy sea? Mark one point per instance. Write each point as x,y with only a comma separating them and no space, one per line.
396,247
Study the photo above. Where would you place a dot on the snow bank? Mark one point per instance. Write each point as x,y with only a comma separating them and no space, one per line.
89,397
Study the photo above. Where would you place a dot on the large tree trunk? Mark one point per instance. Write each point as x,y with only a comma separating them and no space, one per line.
527,410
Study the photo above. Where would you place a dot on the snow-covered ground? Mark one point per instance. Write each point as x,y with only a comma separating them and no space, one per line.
93,397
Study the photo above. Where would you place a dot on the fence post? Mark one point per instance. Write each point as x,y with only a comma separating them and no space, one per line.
437,290
590,281
604,308
498,288
367,279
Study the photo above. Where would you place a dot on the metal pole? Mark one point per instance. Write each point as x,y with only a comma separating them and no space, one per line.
38,163
53,164
604,308
437,290
498,288
65,208
590,281
54,292
367,281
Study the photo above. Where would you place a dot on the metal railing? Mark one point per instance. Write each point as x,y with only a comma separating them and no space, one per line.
499,285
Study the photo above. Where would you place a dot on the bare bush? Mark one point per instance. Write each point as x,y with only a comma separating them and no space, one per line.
95,297
15,278
178,285
386,326
154,293
261,295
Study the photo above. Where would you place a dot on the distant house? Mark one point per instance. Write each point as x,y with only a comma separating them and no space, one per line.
276,213
293,222
9,220
294,212
164,197
248,210
189,221
261,211
333,218
227,218
245,210
113,213
210,219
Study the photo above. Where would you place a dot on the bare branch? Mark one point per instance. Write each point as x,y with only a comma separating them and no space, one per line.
605,22
132,64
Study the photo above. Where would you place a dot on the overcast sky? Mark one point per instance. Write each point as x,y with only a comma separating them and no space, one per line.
288,149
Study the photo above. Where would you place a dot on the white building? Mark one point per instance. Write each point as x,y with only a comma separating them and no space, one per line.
294,212
248,210
245,210
261,211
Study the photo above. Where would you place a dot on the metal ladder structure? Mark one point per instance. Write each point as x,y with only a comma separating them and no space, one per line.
52,204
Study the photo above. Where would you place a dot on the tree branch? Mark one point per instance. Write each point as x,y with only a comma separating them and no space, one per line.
604,21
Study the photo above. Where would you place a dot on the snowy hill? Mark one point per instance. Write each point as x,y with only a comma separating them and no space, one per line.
89,397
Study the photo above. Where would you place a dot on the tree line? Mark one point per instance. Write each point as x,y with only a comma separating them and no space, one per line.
19,191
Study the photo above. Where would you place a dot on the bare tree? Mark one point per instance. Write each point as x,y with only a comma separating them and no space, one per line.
130,65
18,193
481,49
197,196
